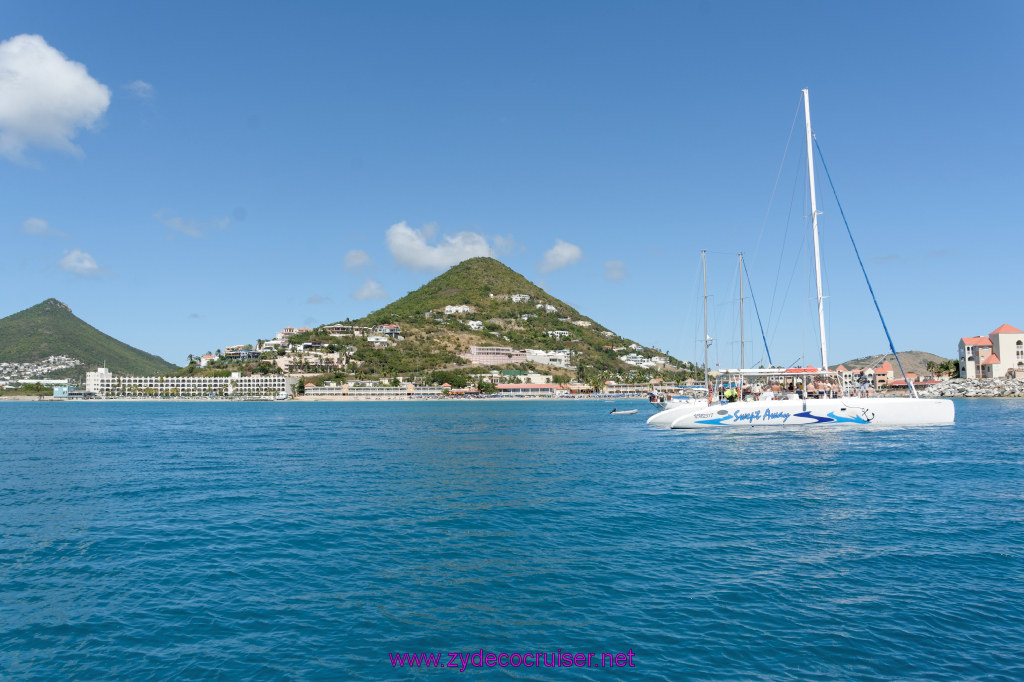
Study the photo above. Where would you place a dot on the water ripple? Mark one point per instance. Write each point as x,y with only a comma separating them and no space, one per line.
307,541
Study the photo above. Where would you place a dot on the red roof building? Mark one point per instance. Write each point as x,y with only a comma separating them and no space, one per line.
998,355
976,341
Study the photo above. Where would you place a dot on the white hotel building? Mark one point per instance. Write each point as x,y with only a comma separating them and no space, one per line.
103,384
494,355
998,355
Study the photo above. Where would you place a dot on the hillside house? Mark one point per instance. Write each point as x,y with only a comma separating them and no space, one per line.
637,360
390,330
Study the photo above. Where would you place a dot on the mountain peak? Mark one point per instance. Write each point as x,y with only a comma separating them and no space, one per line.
474,281
52,305
51,329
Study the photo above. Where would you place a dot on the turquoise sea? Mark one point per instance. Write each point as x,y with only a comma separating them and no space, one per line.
316,541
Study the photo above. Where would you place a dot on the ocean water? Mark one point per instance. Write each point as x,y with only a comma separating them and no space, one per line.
242,541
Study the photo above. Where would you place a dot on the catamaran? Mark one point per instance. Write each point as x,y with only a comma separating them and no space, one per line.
804,396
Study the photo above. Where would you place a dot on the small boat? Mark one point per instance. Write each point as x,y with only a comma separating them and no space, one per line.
618,411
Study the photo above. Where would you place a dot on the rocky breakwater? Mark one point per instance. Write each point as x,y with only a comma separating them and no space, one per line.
976,388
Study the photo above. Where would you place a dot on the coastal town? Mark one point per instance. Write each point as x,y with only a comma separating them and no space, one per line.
480,330
494,372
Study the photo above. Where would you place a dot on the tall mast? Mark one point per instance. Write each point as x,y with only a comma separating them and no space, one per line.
814,230
707,339
743,362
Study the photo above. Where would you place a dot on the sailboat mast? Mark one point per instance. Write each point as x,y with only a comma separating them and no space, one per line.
743,362
707,340
814,231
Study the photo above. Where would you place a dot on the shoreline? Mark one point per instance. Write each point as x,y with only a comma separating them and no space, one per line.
319,399
953,388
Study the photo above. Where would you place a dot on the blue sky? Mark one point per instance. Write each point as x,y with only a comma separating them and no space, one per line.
193,175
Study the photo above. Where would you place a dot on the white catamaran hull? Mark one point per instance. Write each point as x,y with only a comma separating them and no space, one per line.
809,412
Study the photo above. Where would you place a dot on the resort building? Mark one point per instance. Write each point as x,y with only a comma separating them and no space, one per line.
553,358
475,325
998,355
494,355
616,389
558,333
530,390
373,390
454,309
104,384
518,375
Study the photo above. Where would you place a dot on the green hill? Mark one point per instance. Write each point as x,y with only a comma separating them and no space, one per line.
433,340
471,282
50,328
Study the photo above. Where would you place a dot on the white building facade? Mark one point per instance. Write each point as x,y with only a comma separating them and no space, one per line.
494,355
553,358
104,384
998,355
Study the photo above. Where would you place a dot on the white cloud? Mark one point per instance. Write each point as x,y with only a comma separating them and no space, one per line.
44,97
316,299
505,245
356,259
560,255
141,89
79,263
38,226
370,290
410,247
615,270
189,226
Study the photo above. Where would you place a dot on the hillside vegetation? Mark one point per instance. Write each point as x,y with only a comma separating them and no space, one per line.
471,282
50,328
434,340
